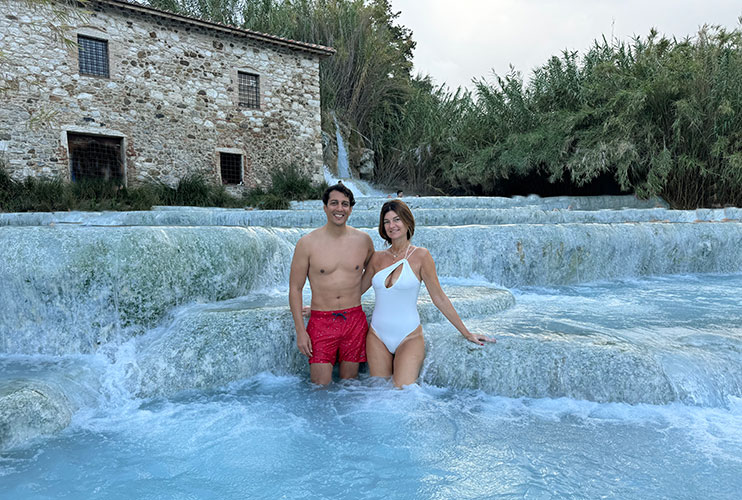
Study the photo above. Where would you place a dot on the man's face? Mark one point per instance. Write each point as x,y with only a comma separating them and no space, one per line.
338,208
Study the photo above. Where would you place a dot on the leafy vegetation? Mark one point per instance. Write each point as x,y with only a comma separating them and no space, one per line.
45,195
657,117
653,116
286,184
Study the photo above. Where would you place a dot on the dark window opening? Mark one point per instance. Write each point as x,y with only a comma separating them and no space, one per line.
93,56
95,157
249,90
231,168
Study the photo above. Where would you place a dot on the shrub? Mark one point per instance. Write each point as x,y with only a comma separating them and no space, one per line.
44,195
286,184
273,201
7,187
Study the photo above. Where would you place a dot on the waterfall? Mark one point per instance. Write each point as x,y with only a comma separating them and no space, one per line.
359,187
591,298
343,165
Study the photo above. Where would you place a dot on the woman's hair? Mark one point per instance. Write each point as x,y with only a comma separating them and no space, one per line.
403,211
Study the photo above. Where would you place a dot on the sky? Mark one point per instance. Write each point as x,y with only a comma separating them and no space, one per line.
460,40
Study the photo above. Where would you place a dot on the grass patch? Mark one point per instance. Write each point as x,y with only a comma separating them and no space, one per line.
48,195
195,191
287,184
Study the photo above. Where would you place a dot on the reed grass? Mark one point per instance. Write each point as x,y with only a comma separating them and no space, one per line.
661,117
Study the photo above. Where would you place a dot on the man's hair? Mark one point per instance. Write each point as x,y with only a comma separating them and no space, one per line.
405,214
341,188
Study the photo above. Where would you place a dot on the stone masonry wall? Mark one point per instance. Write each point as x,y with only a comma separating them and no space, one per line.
171,97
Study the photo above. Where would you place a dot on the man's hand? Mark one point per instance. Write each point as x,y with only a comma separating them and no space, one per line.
304,343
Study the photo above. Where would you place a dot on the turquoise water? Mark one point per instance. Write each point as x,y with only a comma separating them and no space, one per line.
276,436
151,355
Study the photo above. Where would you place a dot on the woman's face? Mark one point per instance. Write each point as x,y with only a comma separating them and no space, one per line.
393,226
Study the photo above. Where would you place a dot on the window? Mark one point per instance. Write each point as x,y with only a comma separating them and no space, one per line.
248,90
231,168
95,157
93,56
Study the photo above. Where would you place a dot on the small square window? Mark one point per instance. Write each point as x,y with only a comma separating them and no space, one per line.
94,157
230,165
249,90
93,56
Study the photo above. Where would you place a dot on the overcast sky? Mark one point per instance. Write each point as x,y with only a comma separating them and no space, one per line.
458,40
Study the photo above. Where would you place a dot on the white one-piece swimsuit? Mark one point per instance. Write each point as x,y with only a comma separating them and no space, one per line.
395,312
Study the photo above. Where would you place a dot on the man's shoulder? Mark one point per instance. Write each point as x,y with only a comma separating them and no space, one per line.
360,236
307,242
312,235
358,232
320,237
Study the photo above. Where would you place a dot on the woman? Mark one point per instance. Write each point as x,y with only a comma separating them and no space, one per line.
394,345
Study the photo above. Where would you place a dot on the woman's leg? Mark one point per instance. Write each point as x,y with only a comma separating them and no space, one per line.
378,356
408,359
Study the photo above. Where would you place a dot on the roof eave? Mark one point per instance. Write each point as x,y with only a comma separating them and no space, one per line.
312,48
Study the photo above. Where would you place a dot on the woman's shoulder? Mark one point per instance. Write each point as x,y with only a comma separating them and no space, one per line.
420,251
419,256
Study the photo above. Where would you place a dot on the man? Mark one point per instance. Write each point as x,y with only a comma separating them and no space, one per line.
333,257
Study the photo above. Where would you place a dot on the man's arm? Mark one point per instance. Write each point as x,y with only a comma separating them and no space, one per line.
368,267
297,278
369,249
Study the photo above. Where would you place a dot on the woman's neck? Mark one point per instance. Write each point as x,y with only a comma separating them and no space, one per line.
399,246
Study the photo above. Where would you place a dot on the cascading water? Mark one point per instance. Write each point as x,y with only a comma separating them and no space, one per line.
151,354
343,165
359,187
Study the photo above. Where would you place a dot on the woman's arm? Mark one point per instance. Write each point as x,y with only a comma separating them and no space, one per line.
442,302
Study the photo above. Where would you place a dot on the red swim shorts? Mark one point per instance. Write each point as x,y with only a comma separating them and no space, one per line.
338,335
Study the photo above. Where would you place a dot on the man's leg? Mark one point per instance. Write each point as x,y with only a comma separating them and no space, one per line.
353,344
348,369
325,339
321,373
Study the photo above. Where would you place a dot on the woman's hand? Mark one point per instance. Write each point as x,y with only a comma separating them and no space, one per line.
478,339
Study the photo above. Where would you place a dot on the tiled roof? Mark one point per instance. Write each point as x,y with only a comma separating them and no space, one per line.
254,35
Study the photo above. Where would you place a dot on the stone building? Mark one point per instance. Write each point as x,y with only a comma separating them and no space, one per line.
143,94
